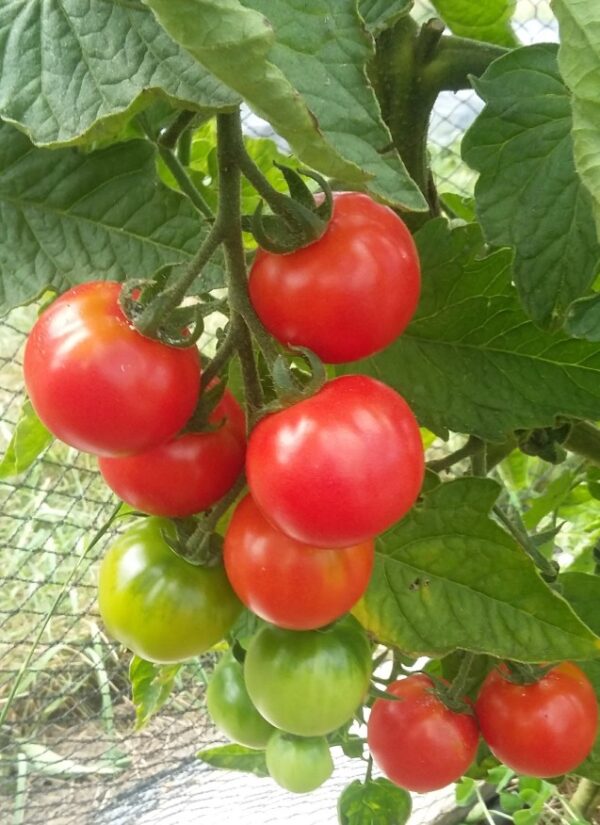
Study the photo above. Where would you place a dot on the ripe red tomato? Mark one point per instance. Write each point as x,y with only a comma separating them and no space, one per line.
542,729
350,293
417,741
186,475
287,583
99,385
339,467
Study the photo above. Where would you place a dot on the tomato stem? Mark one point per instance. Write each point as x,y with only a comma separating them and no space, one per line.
473,446
586,799
547,567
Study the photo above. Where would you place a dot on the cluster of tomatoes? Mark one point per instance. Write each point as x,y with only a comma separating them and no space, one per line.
325,476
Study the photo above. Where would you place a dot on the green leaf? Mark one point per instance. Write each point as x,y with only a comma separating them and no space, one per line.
583,318
381,14
471,361
447,577
302,68
579,25
30,438
488,21
374,802
151,686
582,591
68,217
529,195
465,791
72,71
550,500
236,758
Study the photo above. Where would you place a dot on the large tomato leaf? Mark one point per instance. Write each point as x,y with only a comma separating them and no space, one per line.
488,21
582,591
68,217
448,577
70,67
529,195
579,62
583,320
471,361
302,68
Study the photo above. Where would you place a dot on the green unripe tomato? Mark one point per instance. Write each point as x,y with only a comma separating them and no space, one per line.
299,764
308,682
156,603
231,708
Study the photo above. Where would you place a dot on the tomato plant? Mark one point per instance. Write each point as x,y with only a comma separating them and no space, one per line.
186,475
99,385
461,285
326,296
313,469
542,729
418,742
297,763
288,583
231,708
308,682
156,603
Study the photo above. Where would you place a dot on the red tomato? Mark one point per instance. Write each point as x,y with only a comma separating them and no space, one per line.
350,293
417,741
99,385
186,475
287,583
542,729
339,467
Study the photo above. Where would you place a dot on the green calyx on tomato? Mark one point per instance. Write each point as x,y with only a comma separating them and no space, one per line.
158,605
541,729
100,386
298,764
308,682
288,583
416,741
340,467
327,296
231,708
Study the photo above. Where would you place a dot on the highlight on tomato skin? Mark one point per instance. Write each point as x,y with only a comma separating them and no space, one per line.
543,729
99,385
287,583
340,467
328,296
416,741
188,474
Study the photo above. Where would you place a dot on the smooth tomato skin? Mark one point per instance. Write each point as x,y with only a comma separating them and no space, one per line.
328,296
340,467
543,729
416,741
287,583
186,475
158,605
231,708
308,682
100,386
297,763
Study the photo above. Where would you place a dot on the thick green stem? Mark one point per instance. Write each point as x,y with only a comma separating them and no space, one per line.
516,528
584,439
586,799
456,59
473,445
170,136
411,67
230,154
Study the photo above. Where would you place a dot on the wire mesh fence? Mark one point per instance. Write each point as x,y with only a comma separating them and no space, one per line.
68,749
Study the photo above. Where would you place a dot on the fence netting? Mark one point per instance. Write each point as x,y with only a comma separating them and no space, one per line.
68,750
